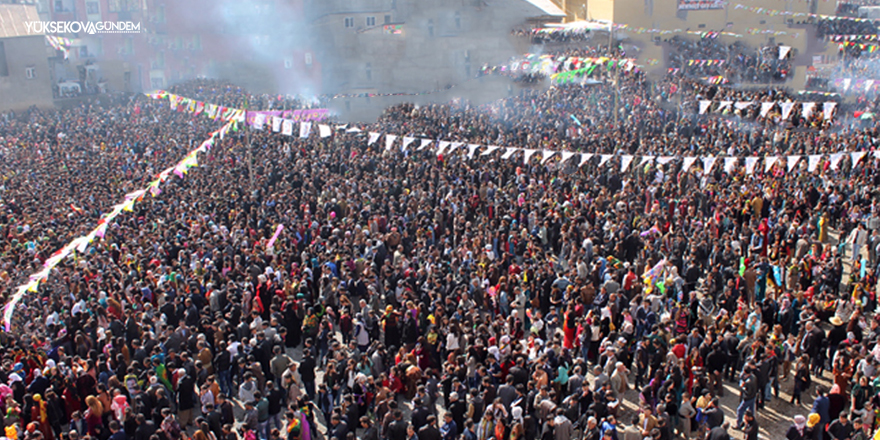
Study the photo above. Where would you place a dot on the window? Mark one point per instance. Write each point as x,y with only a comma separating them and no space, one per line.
4,68
114,5
430,28
371,21
387,19
30,72
349,22
92,8
288,63
308,58
369,71
702,26
59,6
84,51
458,20
160,14
348,105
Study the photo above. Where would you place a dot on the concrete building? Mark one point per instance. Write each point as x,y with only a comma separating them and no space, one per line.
409,46
25,79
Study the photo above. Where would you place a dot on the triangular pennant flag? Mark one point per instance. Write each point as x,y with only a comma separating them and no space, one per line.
454,146
527,154
441,146
625,160
489,150
729,164
276,124
835,160
856,157
585,157
768,162
406,141
786,109
807,109
546,155
868,84
708,163
765,108
792,162
604,158
876,154
742,104
354,130
751,161
813,162
259,121
566,155
828,109
472,149
688,161
724,105
646,159
324,130
373,138
846,83
389,141
425,143
286,128
704,105
305,129
663,160
507,154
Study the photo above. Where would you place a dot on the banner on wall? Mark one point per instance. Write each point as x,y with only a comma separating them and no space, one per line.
699,5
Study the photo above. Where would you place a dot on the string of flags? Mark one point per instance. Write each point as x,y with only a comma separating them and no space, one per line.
758,31
786,108
775,12
81,244
705,62
846,84
180,103
871,47
717,79
867,37
379,95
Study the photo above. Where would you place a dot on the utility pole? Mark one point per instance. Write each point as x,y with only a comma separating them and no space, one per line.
250,149
616,72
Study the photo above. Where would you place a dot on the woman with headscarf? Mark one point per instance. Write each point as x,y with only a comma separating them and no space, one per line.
39,413
814,428
797,430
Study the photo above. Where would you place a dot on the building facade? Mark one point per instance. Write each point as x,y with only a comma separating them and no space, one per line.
25,79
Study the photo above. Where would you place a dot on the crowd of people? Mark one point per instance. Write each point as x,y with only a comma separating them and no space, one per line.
739,62
412,296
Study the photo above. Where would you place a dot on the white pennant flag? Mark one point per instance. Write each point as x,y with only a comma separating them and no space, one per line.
406,141
441,146
566,155
751,161
585,157
813,162
724,105
305,129
742,104
663,160
876,154
489,150
287,127
846,84
324,130
868,84
783,51
765,108
768,163
708,163
787,107
828,109
527,154
604,158
792,162
455,146
807,109
835,160
425,143
353,130
259,121
688,161
276,124
507,154
373,138
704,105
856,157
729,164
646,159
472,149
625,160
546,155
389,141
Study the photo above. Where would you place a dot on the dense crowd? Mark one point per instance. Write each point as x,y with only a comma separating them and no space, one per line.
412,296
739,62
